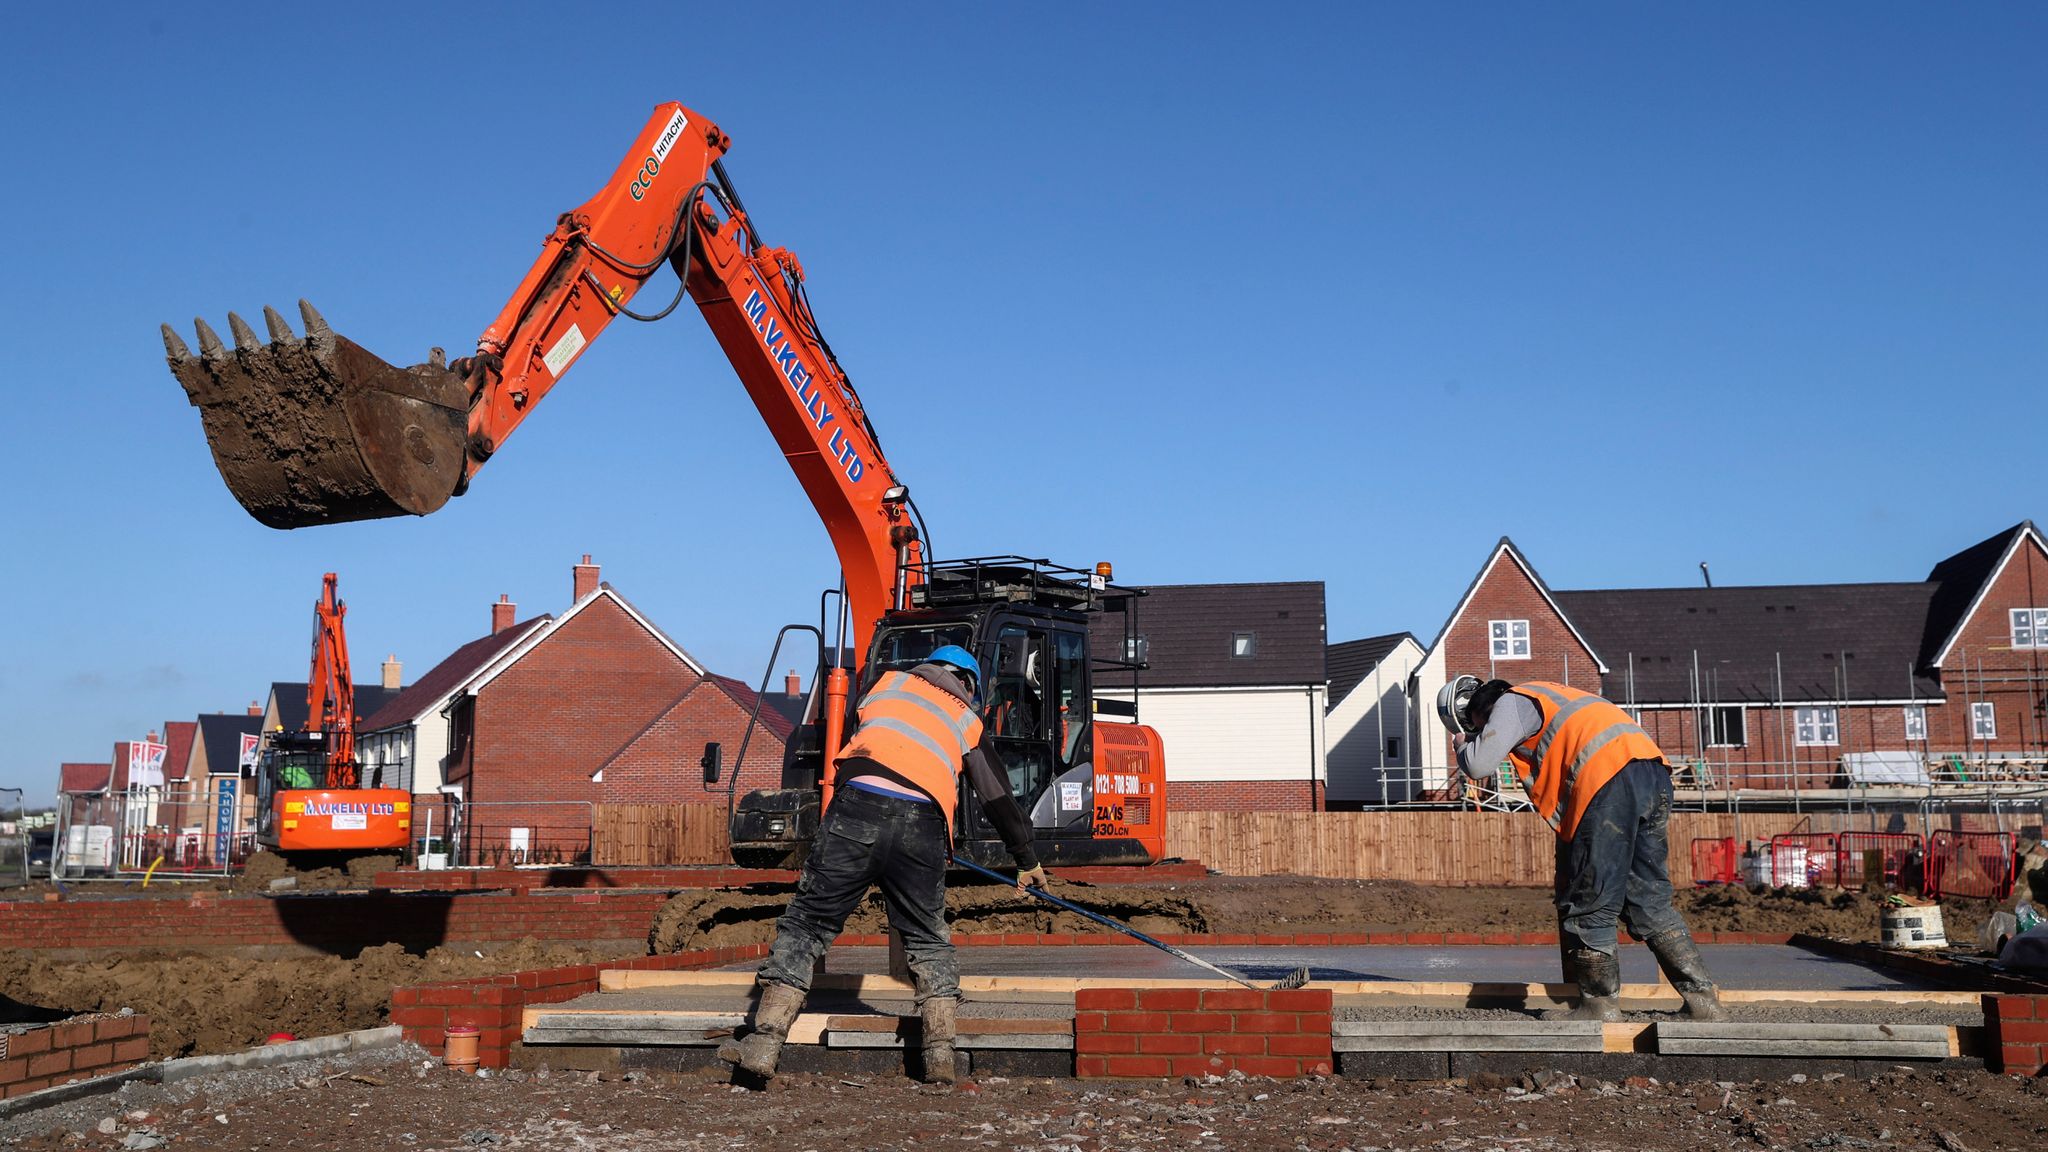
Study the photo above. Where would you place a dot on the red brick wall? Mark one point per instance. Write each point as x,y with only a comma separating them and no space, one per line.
1555,654
1155,1032
662,764
549,722
2018,1028
1243,796
76,1049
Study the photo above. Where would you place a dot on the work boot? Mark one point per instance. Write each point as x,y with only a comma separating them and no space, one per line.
1599,979
1680,959
758,1051
938,1038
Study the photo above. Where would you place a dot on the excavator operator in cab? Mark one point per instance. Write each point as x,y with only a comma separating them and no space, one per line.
1604,786
896,787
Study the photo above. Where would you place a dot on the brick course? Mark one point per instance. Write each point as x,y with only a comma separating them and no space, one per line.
44,1057
2017,1027
1157,1032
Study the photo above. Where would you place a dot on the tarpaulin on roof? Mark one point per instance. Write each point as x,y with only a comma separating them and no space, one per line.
1885,768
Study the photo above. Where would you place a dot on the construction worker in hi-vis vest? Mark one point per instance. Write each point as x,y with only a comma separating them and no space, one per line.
1604,786
896,788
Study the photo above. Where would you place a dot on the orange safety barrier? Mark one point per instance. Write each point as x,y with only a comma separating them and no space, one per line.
1971,864
1714,861
1886,858
1813,851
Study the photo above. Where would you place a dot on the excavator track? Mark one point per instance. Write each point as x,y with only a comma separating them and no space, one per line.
317,430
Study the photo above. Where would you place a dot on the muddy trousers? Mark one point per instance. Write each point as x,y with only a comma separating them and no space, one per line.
1616,865
869,839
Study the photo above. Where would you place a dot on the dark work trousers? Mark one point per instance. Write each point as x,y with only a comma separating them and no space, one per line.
1617,863
866,839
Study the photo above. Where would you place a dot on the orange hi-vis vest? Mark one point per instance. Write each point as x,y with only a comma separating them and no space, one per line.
1584,742
919,731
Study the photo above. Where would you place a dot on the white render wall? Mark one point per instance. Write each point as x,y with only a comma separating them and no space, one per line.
1214,734
1359,726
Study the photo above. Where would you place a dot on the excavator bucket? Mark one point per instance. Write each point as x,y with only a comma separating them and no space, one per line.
319,431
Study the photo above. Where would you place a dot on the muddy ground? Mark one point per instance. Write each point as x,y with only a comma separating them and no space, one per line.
1222,904
396,1099
200,1005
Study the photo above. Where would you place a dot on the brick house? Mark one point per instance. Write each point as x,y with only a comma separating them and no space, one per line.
1786,687
1235,685
404,743
595,705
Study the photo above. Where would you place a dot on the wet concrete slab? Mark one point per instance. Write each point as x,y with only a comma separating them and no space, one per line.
1745,966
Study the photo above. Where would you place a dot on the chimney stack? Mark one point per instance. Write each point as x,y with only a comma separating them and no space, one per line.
585,577
501,613
255,709
794,684
393,672
152,738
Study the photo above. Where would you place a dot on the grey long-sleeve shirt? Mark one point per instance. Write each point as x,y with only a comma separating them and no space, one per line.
1513,720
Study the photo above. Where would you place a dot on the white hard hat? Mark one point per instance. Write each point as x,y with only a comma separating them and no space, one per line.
1451,701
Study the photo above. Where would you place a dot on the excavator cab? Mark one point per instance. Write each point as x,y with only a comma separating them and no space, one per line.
1080,779
316,430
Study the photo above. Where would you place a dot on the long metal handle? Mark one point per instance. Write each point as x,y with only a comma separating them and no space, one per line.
1106,922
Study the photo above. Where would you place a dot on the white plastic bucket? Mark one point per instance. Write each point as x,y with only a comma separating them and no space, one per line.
1912,927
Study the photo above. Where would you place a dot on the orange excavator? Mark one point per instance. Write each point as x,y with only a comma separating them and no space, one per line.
313,429
309,798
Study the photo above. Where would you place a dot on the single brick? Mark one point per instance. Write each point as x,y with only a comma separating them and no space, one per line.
1282,1066
49,1063
1200,1022
1249,1045
76,1035
113,1028
133,1050
1313,1022
91,1056
1137,1021
14,1071
1091,1067
1232,999
1170,1045
1139,1066
1299,1046
2023,1031
1090,1022
1298,1000
29,1043
2014,1007
1107,1044
1266,1022
1462,938
1170,999
1105,999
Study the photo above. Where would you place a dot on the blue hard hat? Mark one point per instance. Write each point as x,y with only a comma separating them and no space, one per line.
957,657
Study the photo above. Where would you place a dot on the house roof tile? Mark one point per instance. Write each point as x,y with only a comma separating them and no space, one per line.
77,779
179,736
1352,661
221,734
1189,629
444,678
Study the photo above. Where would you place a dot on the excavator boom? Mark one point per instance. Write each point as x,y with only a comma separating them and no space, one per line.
313,429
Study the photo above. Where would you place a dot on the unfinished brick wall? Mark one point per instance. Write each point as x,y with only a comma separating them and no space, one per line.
496,1005
2018,1033
1155,1032
2012,678
1507,593
53,1054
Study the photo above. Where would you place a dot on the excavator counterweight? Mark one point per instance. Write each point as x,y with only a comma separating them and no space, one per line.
318,430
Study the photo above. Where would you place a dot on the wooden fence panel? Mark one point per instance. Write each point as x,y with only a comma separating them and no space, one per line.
659,834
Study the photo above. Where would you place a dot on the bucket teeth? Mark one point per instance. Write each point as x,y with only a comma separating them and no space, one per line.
280,332
318,334
437,358
245,336
175,347
210,346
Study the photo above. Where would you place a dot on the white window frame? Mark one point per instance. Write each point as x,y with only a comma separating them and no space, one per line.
1707,723
2029,627
1983,720
1916,722
1817,726
1502,637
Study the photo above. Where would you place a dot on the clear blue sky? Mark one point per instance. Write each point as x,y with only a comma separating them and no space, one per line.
1337,292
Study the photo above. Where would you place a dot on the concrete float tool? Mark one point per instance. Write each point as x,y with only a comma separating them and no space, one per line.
1294,979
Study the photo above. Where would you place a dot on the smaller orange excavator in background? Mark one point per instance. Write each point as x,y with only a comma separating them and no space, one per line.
308,796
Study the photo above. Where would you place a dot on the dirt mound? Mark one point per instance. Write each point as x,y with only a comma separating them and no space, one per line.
720,917
204,1004
266,867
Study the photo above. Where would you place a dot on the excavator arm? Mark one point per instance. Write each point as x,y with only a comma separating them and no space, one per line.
330,690
317,430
